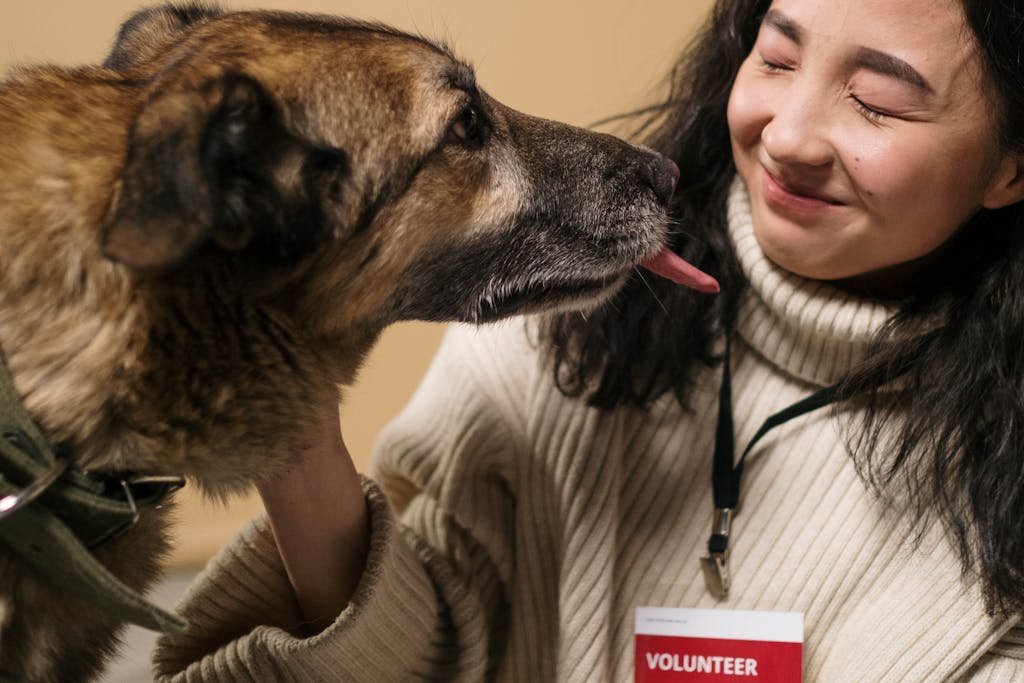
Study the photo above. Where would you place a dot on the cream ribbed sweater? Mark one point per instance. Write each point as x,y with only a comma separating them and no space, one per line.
518,530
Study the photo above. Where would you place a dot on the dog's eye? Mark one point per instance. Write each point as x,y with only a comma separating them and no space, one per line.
467,127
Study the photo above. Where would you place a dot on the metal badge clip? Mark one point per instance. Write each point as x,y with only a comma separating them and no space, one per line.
716,565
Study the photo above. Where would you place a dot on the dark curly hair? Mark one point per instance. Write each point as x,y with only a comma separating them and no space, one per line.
953,442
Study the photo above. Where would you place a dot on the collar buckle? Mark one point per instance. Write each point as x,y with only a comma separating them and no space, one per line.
151,489
140,491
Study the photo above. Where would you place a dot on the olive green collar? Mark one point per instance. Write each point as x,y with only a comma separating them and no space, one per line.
52,514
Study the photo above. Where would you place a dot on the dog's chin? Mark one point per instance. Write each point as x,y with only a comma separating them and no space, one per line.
545,296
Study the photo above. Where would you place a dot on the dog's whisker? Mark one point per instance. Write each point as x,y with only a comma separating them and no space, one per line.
651,290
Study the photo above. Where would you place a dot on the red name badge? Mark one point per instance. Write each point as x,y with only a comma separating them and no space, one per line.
717,645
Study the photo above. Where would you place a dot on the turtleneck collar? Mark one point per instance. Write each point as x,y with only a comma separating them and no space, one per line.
807,328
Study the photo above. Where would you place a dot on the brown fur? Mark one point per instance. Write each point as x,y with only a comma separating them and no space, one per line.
204,236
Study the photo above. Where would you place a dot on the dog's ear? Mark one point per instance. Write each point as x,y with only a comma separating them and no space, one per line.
152,31
216,164
184,142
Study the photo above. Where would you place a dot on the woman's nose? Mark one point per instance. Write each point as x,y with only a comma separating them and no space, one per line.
797,132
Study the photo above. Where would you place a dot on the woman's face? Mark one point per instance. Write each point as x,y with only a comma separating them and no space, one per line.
865,134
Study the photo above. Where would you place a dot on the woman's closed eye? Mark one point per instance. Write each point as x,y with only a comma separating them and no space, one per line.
878,97
770,66
869,112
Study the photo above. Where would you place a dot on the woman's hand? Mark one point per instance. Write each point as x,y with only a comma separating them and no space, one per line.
318,514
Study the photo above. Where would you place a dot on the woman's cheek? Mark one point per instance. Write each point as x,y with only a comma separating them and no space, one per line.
874,165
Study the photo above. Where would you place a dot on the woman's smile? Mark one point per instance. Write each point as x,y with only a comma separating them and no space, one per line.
794,200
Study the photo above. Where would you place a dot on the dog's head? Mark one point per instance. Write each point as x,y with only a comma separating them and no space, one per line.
361,175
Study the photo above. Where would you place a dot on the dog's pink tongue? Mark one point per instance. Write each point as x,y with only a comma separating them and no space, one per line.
667,264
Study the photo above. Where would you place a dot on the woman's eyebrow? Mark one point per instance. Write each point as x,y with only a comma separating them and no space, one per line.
894,67
784,25
864,57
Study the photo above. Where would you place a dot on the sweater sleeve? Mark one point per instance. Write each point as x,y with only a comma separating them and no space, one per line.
1004,662
430,603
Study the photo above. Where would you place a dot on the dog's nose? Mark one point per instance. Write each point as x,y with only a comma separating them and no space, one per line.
664,174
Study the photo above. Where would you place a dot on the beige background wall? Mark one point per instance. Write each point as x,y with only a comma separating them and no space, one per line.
577,61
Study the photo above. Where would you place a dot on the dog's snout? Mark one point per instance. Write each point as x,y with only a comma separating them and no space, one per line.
663,174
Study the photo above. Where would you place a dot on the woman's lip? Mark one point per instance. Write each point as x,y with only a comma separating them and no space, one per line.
777,192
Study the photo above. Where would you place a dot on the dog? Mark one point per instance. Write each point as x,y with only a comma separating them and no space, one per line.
204,235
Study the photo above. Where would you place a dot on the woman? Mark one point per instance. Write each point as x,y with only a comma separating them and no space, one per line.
853,172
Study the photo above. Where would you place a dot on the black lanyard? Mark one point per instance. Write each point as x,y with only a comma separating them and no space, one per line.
725,475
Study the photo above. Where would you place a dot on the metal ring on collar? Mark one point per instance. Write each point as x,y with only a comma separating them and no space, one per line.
9,504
